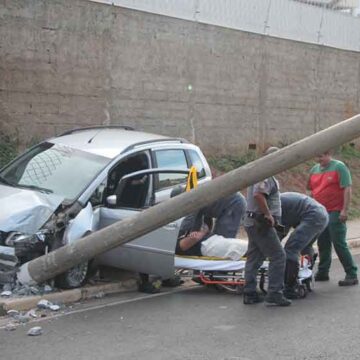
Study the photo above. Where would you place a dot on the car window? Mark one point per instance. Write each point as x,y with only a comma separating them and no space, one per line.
197,162
132,193
175,159
59,169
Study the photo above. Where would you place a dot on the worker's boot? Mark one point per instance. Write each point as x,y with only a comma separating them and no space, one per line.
291,275
276,299
349,281
251,298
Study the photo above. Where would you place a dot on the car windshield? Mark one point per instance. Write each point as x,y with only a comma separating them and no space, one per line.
53,168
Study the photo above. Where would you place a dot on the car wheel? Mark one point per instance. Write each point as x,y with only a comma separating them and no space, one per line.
74,277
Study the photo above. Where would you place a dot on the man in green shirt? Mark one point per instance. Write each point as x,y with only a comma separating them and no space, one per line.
330,184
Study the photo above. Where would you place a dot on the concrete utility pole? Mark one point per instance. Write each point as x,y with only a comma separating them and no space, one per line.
48,266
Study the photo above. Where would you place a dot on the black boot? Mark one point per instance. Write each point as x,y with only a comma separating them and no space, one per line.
291,275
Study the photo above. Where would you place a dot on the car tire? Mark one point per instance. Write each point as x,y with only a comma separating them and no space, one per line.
74,277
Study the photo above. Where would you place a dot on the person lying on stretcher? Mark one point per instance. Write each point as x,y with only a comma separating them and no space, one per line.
201,242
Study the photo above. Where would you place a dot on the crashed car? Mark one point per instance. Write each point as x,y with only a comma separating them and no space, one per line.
84,180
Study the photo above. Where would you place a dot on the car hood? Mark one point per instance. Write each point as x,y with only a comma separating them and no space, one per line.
25,210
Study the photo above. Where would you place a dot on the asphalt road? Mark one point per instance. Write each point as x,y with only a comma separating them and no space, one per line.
198,324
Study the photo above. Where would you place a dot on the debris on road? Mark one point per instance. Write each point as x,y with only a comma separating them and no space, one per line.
6,293
16,290
44,304
10,326
13,313
35,331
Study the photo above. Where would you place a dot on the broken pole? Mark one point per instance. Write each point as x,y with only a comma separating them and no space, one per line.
56,262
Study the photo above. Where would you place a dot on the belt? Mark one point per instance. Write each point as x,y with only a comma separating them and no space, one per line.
253,215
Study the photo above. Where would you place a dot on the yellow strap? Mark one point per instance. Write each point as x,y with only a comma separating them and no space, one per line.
192,181
213,258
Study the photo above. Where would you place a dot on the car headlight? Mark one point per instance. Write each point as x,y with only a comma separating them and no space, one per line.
23,243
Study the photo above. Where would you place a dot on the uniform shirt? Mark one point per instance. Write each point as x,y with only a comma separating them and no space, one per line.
327,184
296,206
270,188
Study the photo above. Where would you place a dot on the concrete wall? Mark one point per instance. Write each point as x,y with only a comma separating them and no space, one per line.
65,64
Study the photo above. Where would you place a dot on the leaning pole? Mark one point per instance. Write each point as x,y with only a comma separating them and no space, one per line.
52,264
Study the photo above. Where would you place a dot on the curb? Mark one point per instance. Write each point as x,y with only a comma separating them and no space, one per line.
67,296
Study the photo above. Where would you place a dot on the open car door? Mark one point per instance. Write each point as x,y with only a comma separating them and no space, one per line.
152,253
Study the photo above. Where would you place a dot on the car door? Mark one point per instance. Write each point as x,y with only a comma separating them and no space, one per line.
152,253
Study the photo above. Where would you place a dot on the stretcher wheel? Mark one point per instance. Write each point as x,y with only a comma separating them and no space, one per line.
302,291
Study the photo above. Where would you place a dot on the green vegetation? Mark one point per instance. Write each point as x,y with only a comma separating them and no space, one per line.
295,179
227,163
8,150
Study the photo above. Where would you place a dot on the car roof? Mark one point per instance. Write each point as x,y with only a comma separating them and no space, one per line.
108,141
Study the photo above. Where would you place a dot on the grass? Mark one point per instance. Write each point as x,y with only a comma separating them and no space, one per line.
8,150
295,179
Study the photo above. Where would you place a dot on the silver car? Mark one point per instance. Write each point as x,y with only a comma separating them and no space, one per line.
86,179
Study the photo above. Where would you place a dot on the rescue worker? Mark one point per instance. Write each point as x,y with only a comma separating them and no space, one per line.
330,184
263,212
229,213
308,218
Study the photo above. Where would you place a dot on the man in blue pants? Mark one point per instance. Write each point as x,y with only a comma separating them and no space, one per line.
308,218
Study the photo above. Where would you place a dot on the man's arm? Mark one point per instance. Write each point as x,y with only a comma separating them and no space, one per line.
261,201
193,238
347,199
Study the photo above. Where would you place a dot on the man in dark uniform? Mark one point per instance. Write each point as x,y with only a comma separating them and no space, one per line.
308,218
263,212
229,213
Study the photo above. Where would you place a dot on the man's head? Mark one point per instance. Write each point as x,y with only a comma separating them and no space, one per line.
324,158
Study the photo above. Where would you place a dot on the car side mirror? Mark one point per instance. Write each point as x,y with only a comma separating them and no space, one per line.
111,200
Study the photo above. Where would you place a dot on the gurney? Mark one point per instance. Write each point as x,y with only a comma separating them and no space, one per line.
228,275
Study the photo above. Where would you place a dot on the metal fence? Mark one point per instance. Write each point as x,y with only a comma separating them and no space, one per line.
333,23
351,7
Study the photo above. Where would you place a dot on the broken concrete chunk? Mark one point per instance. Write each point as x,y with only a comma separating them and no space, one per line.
54,307
13,313
35,331
34,290
31,314
44,304
47,289
6,293
10,326
99,295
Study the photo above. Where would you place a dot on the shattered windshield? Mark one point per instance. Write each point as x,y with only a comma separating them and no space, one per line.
54,168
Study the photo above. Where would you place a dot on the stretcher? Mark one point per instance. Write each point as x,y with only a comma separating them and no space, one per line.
228,275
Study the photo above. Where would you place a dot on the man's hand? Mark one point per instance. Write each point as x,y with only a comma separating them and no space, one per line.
343,216
269,218
196,235
261,201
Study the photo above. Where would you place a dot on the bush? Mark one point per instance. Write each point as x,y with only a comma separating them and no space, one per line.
8,150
